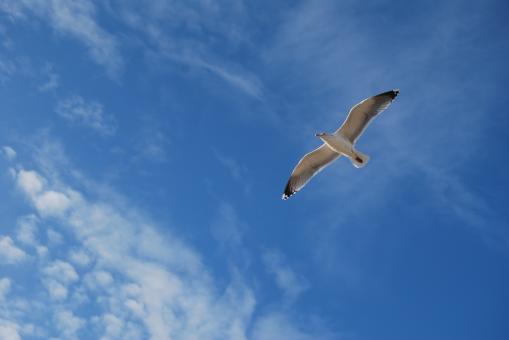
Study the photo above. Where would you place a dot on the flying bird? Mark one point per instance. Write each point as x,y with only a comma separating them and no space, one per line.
341,142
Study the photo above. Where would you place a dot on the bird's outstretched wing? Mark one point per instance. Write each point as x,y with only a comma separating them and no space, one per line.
361,114
311,164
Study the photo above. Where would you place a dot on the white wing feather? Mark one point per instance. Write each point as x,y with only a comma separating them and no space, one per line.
361,114
311,164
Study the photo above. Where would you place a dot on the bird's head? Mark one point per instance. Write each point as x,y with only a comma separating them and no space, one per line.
320,134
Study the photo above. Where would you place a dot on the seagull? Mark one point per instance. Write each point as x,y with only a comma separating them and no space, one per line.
341,142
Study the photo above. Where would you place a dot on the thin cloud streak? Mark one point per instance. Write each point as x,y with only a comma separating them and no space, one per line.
74,18
183,39
287,280
77,110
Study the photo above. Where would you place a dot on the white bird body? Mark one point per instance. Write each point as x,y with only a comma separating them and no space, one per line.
344,147
342,142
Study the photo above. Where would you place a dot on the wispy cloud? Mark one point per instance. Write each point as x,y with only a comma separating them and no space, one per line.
183,39
5,286
6,40
8,152
152,144
287,280
75,19
53,79
88,113
241,80
237,171
227,228
13,66
277,326
7,69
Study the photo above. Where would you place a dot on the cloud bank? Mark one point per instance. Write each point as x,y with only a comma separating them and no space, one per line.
121,276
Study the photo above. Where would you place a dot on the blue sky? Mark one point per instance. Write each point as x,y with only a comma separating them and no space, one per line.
145,146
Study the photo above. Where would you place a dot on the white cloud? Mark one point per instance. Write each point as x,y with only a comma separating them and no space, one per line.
54,237
58,275
160,286
74,18
56,290
61,271
103,278
80,257
5,286
68,323
8,152
9,253
30,329
30,182
286,279
47,202
277,326
167,281
112,325
9,330
42,251
99,279
52,203
136,307
88,113
27,230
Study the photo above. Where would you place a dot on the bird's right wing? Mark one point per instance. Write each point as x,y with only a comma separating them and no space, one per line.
311,164
361,114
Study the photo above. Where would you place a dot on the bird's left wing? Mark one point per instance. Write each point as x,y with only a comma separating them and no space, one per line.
311,164
361,114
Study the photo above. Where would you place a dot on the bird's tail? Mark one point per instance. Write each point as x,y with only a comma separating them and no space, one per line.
359,159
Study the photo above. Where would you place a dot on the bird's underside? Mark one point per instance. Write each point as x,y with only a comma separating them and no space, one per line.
341,142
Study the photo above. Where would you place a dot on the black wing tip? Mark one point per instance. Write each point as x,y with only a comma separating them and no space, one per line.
288,192
392,93
286,196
